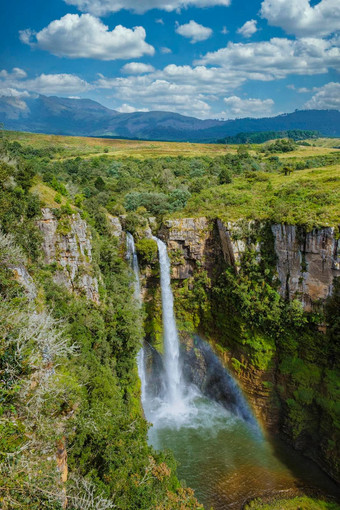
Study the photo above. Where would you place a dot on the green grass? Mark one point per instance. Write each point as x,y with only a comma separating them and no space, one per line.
310,197
300,503
73,146
165,175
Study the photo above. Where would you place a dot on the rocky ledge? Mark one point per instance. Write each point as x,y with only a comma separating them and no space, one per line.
69,247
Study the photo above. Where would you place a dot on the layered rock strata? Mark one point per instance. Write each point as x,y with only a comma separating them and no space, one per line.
71,250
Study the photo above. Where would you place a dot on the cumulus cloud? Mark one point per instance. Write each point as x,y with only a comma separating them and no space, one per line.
103,7
15,74
155,92
238,107
10,92
18,82
248,29
57,84
137,68
194,90
194,31
327,98
276,58
300,18
85,36
126,108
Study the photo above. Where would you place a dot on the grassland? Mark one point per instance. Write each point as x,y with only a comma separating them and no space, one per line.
74,146
185,179
310,197
299,503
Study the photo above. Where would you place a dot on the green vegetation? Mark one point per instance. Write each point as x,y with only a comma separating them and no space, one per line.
82,392
299,503
70,384
147,251
248,184
264,136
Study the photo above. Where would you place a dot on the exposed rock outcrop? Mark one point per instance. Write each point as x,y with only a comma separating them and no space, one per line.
191,242
116,227
306,263
70,248
24,278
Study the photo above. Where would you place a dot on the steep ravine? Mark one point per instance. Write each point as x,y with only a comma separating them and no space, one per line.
288,378
303,266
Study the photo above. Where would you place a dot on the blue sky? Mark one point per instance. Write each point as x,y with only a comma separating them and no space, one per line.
205,58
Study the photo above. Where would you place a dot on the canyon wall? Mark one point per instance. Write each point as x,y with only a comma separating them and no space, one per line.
307,263
290,379
67,244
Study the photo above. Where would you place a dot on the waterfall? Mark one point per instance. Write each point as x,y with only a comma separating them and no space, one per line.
131,256
174,394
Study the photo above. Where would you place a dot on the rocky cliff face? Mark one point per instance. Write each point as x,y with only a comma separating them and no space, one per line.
68,245
306,263
306,266
191,243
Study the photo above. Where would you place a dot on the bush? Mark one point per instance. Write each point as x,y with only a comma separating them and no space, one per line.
147,251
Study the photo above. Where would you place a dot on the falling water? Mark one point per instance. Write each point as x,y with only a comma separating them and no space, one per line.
174,394
211,430
131,255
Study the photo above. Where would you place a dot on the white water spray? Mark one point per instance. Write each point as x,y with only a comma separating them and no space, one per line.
174,395
131,255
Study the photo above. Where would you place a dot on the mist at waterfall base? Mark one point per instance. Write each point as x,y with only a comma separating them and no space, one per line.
207,423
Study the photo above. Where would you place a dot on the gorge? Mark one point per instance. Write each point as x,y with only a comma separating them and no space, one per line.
218,279
221,449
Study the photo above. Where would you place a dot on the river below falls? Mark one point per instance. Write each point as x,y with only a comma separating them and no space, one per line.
226,460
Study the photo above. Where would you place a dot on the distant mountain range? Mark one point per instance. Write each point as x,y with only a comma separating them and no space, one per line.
84,117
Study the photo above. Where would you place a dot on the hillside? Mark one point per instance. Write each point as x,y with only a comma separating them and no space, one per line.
85,117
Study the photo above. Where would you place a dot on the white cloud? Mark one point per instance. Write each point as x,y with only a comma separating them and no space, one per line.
327,98
248,29
126,108
103,7
85,36
160,21
57,84
224,31
276,58
238,107
155,92
166,50
137,68
64,84
15,74
194,31
300,18
10,92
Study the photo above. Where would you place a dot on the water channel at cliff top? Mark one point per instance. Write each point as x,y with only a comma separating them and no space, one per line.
220,449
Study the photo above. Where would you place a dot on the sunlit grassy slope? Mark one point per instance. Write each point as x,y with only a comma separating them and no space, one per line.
73,146
310,197
300,503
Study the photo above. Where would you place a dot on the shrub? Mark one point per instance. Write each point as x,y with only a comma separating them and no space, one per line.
147,251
